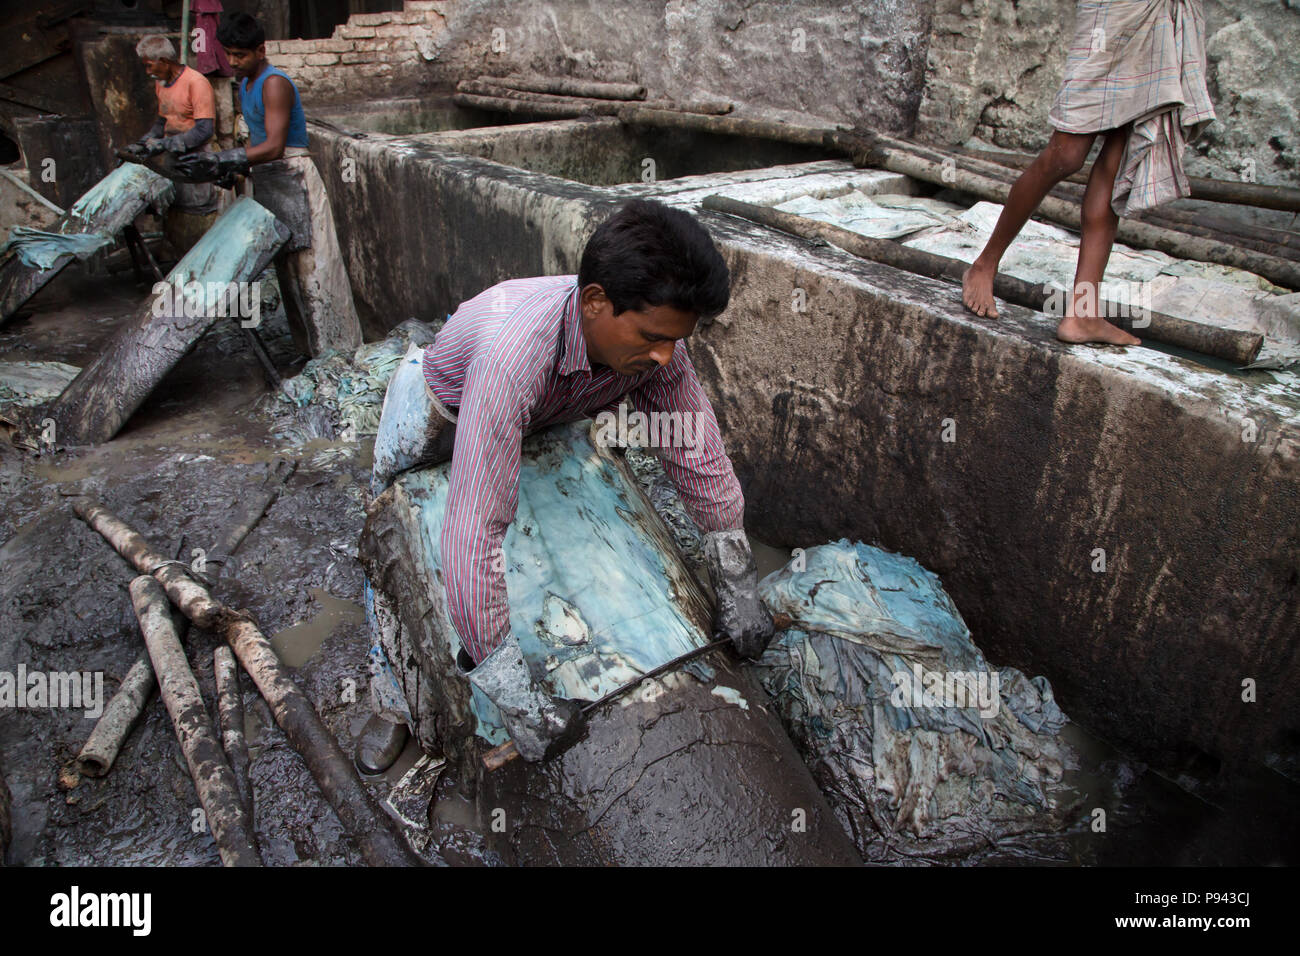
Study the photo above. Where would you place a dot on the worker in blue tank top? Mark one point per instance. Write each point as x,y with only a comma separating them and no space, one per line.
269,100
254,107
317,295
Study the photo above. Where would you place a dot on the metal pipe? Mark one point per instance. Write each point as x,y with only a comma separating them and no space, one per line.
185,32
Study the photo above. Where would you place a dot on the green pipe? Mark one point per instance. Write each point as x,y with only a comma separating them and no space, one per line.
185,32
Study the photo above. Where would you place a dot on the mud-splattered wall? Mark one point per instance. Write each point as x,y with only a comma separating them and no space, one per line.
994,66
862,59
947,70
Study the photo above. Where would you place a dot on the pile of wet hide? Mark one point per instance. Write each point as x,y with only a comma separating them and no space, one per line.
923,749
339,397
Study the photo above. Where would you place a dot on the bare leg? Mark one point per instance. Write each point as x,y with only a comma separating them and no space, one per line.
1083,322
1063,156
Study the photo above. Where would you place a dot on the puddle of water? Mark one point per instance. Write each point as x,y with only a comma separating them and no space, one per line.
454,807
767,557
298,643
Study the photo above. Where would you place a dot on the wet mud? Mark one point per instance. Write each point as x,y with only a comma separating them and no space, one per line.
179,471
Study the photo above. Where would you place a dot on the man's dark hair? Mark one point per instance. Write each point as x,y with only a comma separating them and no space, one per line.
649,254
240,31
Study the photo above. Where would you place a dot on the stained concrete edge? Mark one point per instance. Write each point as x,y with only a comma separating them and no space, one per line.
1060,451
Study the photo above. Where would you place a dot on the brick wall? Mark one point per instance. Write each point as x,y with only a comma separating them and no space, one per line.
372,55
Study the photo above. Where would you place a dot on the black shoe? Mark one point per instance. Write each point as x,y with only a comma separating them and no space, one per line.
379,745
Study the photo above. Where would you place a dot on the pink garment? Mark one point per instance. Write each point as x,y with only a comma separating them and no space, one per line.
513,360
212,58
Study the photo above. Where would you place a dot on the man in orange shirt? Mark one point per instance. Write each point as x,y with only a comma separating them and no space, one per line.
186,118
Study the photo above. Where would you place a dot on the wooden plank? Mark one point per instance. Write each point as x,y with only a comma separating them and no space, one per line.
1230,344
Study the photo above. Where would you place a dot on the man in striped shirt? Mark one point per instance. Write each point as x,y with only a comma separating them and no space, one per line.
529,353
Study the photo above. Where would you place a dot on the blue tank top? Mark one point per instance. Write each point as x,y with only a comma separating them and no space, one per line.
250,99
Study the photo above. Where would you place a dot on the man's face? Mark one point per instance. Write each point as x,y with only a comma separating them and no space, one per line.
631,342
245,63
157,69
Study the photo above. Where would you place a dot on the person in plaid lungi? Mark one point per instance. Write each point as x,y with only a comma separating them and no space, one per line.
1135,75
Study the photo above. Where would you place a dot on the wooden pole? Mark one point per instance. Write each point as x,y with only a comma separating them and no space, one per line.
488,86
500,104
641,115
115,723
1230,344
213,779
580,105
1259,195
230,713
872,149
185,32
377,835
485,95
568,86
1274,242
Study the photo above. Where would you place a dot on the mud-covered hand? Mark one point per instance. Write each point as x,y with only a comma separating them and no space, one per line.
153,145
541,726
138,151
741,614
171,144
208,167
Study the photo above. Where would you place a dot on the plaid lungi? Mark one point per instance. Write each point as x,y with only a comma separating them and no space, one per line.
1139,62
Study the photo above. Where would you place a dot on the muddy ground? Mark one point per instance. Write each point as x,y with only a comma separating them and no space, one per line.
183,464
177,472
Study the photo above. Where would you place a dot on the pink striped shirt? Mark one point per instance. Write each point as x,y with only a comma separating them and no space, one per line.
513,360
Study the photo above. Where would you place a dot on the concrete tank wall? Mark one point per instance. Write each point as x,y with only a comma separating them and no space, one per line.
835,418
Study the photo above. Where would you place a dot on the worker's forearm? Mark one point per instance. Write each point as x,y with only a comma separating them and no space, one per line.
694,457
265,152
722,510
477,602
155,132
198,135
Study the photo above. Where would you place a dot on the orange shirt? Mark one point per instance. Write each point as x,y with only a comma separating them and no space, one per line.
188,99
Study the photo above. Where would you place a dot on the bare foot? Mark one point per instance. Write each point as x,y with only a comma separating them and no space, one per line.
1076,329
977,290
